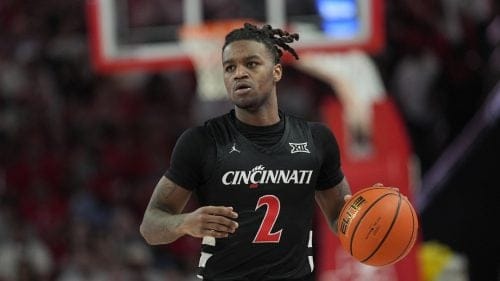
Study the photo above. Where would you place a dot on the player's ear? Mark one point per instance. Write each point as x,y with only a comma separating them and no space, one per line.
277,72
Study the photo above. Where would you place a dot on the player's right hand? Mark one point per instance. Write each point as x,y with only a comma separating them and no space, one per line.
215,221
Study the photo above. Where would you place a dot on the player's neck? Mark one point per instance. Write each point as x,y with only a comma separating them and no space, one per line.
258,118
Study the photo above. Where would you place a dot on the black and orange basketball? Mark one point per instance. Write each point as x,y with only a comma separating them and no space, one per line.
378,226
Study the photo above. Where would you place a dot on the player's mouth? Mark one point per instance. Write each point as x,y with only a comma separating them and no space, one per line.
242,88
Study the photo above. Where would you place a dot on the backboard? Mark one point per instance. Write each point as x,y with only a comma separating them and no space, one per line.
145,34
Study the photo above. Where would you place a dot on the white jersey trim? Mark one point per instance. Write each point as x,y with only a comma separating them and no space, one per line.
208,240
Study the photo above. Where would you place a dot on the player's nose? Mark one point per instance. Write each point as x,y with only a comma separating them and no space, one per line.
240,72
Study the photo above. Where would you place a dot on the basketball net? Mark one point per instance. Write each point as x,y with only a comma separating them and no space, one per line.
203,44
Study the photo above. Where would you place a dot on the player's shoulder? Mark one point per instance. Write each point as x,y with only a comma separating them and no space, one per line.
195,132
321,133
220,128
197,136
295,119
219,118
319,127
203,129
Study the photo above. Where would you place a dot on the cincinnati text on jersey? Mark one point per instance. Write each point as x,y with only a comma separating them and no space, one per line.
259,175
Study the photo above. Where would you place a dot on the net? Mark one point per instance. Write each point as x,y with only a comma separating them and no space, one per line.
203,45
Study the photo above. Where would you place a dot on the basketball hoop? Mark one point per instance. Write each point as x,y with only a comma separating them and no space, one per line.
203,45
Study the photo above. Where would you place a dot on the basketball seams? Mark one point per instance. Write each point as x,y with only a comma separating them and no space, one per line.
358,194
388,230
353,234
413,235
375,251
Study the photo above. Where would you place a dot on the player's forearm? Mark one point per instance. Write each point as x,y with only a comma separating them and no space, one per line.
331,202
160,227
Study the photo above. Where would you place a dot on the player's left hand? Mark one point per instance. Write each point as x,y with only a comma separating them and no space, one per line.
378,184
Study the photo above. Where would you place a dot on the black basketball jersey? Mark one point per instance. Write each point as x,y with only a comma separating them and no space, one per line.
272,190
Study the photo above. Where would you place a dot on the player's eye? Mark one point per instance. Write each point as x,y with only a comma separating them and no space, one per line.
229,68
252,64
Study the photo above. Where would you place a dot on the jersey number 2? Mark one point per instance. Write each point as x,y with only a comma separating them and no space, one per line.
264,234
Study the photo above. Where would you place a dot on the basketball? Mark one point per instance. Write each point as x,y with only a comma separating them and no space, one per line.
378,226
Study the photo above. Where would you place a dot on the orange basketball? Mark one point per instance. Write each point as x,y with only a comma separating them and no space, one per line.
378,226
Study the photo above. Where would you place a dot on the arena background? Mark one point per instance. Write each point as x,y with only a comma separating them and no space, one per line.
81,150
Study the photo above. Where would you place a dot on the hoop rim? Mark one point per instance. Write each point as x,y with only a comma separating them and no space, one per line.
211,29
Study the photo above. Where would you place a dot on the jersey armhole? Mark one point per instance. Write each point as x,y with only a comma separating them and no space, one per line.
331,180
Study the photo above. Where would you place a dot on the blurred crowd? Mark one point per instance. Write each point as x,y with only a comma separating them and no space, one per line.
80,153
442,59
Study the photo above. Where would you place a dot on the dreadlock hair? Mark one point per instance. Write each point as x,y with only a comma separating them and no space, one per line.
274,39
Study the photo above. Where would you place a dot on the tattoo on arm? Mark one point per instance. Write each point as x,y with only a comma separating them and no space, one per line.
162,216
331,202
343,190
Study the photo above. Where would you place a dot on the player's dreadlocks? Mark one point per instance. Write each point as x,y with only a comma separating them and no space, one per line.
273,39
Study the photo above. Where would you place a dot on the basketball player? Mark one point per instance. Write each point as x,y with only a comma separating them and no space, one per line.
256,172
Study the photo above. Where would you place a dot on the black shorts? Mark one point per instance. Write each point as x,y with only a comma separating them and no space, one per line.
309,277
